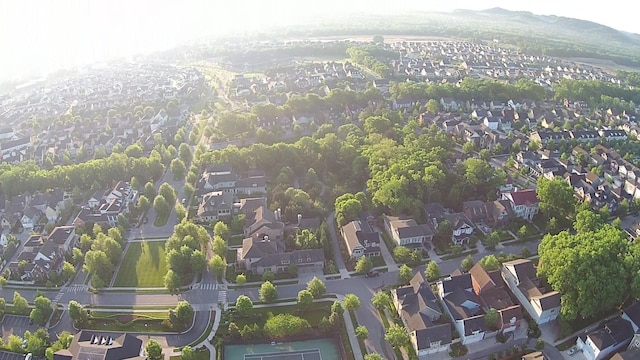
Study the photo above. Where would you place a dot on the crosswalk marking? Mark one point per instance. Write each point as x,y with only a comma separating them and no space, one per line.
222,297
58,297
210,286
77,288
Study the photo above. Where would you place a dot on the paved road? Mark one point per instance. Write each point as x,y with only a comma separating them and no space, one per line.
337,254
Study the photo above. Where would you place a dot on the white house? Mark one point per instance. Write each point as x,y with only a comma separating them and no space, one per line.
520,276
406,232
613,336
463,307
525,203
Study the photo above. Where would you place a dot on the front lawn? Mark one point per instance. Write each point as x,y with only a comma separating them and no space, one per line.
144,265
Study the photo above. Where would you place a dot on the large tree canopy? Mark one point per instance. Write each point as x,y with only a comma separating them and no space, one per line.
556,197
593,270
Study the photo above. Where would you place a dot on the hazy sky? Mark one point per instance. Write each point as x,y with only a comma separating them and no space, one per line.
37,36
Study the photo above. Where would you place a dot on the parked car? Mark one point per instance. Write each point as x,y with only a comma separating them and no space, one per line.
372,273
28,356
572,350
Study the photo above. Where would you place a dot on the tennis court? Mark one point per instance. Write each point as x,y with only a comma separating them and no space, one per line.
316,349
312,354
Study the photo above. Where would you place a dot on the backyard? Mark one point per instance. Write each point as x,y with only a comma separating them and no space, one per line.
144,265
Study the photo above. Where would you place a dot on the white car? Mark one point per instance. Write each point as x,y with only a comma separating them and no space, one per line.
572,350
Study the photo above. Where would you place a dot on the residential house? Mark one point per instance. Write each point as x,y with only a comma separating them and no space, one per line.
525,203
360,239
261,254
536,355
461,227
520,276
493,213
463,307
629,354
263,224
613,135
30,217
64,237
419,310
490,291
103,208
615,335
215,206
406,232
96,346
545,136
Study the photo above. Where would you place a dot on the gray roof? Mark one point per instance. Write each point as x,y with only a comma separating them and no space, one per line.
297,257
432,334
615,331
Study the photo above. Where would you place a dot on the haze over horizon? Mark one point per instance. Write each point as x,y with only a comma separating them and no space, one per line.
40,37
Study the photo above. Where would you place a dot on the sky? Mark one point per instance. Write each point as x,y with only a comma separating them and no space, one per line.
40,36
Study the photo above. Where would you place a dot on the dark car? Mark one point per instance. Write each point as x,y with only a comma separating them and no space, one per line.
372,273
145,220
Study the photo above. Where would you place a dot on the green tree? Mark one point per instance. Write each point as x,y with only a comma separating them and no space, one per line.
150,191
36,342
78,313
306,239
351,302
184,152
268,275
182,315
492,319
284,325
268,292
143,203
433,106
364,265
468,148
490,262
162,207
336,308
241,279
181,212
597,261
432,272
361,332
492,240
178,169
397,336
244,305
556,197
14,343
219,245
20,304
222,230
172,280
467,263
187,352
381,300
305,298
522,232
153,350
40,314
217,265
316,287
404,274
402,254
587,221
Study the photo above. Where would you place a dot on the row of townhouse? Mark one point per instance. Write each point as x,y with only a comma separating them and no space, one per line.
465,298
104,206
25,211
361,238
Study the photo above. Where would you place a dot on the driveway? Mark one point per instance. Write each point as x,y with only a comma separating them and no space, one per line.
337,254
12,324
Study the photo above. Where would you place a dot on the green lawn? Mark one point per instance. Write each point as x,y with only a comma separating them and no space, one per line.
144,265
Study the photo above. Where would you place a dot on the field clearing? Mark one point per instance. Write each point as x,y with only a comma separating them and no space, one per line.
144,265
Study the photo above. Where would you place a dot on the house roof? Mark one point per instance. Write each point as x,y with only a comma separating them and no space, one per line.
95,346
459,220
297,257
473,324
253,248
355,235
433,334
524,197
462,281
483,280
60,234
309,223
537,355
633,312
514,311
630,354
462,304
615,331
435,211
523,269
